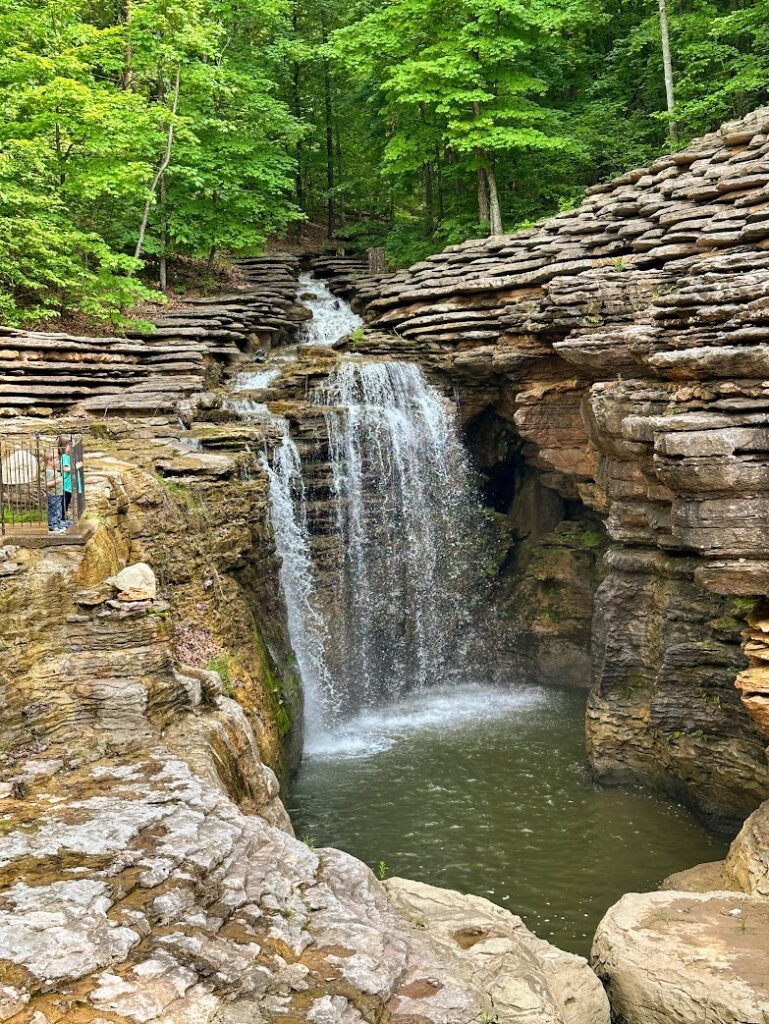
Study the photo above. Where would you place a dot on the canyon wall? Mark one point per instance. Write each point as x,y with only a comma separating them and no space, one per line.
148,868
617,356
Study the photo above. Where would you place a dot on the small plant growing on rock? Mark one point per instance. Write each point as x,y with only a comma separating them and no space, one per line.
221,664
381,870
310,841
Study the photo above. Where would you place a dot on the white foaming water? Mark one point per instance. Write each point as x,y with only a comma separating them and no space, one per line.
399,573
332,317
247,407
254,380
438,711
288,513
407,519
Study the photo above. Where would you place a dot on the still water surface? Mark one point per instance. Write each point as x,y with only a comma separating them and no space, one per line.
486,791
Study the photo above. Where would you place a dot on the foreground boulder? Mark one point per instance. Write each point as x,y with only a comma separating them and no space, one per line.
686,958
135,891
526,979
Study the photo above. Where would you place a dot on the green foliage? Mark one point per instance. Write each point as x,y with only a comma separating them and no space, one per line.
86,100
222,665
380,115
553,97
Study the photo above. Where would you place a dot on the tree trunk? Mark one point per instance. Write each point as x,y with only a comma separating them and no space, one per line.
484,210
427,174
128,75
339,170
163,265
163,166
495,218
667,62
211,261
376,260
439,179
296,89
330,208
484,213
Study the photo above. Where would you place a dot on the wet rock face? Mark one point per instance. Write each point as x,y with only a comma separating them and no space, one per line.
620,352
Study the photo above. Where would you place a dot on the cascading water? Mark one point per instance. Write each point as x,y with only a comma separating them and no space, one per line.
400,608
288,513
332,317
380,534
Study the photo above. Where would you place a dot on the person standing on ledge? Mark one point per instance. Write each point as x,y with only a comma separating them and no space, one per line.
55,507
65,460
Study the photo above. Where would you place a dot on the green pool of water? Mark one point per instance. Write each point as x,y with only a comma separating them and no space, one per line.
486,791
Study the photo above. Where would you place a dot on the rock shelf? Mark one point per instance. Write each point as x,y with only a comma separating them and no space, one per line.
147,373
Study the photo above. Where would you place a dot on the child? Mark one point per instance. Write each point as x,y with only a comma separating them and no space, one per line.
55,524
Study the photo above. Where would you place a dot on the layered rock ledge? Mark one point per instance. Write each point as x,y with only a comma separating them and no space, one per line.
616,357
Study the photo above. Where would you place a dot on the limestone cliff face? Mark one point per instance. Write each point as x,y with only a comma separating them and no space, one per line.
84,672
148,868
618,354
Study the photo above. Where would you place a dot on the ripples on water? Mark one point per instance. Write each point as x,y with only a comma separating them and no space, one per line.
486,791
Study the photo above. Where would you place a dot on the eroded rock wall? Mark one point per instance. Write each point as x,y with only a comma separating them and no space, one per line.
148,868
620,351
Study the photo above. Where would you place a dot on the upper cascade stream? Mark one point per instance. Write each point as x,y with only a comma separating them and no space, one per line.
332,317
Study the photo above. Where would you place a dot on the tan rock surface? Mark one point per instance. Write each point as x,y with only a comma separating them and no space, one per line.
525,978
686,958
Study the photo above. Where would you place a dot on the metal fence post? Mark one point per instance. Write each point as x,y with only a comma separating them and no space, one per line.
2,494
39,480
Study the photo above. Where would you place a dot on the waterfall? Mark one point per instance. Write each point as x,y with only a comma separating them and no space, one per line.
381,539
288,514
332,317
399,603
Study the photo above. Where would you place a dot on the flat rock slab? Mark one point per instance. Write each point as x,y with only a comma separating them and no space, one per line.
136,891
686,958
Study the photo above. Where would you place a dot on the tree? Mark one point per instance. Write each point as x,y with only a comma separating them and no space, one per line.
667,63
135,127
478,69
74,153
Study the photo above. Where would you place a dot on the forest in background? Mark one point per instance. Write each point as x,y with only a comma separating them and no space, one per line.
136,135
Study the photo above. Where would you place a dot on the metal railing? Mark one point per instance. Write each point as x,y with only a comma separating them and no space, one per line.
42,483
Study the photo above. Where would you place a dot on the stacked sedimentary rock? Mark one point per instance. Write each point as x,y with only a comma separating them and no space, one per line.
622,350
345,275
44,374
147,372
